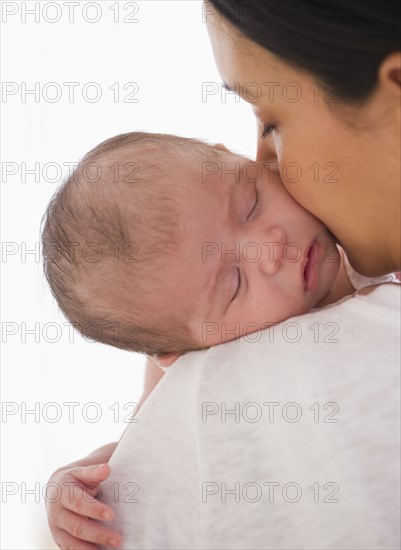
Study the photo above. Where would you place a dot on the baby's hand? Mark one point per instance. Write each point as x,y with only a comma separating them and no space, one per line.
71,506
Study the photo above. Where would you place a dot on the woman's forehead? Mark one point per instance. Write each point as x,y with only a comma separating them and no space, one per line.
242,62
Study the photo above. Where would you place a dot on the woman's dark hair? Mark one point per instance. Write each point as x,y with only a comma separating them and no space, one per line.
341,42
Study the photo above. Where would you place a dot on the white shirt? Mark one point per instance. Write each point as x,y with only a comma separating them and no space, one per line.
307,459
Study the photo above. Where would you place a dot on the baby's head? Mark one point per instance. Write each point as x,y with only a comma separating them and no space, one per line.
161,244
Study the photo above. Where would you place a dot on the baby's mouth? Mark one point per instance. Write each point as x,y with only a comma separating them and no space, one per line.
312,267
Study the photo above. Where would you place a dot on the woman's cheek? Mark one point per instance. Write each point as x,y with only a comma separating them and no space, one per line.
298,180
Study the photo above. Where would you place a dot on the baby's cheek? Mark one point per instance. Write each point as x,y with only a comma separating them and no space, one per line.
274,304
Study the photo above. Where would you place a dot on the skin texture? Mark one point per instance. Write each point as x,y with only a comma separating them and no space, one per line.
353,185
238,224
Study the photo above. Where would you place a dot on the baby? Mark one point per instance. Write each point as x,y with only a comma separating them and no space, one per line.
162,245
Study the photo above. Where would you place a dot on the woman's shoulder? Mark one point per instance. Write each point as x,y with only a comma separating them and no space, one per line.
385,295
395,284
360,282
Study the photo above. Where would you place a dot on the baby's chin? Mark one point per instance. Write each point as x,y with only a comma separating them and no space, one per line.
323,296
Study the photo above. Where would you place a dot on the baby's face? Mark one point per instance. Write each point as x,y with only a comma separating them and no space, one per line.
250,256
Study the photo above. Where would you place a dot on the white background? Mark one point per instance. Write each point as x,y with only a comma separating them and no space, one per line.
166,53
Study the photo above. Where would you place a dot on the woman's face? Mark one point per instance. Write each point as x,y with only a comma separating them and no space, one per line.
338,161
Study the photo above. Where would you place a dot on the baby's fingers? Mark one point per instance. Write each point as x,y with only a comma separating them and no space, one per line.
83,529
67,542
82,503
91,475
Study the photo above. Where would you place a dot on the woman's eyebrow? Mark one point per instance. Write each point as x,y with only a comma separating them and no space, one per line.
246,91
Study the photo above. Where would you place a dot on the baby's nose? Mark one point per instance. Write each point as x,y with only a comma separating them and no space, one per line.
273,247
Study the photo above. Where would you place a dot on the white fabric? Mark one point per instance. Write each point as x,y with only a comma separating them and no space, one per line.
353,362
359,281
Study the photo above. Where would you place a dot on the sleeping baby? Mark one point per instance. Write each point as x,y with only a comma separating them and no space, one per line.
163,245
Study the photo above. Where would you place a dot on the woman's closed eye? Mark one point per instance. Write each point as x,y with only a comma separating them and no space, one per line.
267,129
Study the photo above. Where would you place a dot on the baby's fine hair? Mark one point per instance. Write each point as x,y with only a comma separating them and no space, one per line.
108,236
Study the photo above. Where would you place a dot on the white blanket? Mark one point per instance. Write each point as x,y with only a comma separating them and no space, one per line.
308,457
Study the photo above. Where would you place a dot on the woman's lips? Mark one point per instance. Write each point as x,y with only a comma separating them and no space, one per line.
311,271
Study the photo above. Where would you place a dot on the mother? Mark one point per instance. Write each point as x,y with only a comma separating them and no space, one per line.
324,81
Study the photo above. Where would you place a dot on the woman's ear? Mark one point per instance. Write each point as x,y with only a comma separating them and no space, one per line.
390,73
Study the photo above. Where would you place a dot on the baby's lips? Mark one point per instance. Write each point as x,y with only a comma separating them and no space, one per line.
312,267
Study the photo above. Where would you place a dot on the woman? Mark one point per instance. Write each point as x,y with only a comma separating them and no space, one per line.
324,81
325,78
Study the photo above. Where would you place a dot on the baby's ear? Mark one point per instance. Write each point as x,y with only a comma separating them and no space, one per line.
167,360
222,147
